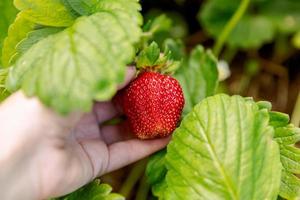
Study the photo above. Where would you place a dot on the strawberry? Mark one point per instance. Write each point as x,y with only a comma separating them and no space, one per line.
153,103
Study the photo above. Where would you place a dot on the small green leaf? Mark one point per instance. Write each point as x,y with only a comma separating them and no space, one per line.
159,23
148,56
278,119
162,25
3,92
83,63
198,77
223,149
176,47
45,12
7,15
287,135
16,33
93,191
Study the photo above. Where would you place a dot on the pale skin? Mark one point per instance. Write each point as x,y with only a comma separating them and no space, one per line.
44,155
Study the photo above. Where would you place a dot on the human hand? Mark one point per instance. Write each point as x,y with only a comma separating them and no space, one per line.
43,154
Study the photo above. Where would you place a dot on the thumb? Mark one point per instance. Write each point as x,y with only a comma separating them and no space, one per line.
30,114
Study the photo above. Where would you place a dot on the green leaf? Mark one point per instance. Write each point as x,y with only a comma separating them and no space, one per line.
162,25
223,149
198,77
16,33
156,169
3,92
287,135
83,7
252,31
45,12
7,15
284,15
34,37
176,47
93,191
83,63
156,172
131,7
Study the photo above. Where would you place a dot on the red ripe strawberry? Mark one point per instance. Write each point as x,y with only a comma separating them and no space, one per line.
153,104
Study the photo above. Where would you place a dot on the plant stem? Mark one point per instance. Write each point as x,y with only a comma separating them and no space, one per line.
296,113
143,190
230,26
133,177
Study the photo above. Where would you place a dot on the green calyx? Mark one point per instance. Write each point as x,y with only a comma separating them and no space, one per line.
151,59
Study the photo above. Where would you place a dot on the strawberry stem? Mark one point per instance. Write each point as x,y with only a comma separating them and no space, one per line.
133,177
296,113
230,26
143,189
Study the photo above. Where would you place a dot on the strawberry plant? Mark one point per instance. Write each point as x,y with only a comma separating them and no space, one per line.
224,144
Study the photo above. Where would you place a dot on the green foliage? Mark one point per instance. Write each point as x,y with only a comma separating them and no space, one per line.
7,15
16,33
45,12
156,170
93,191
263,19
223,149
82,7
284,15
3,92
88,7
287,135
296,40
163,25
34,37
198,77
89,56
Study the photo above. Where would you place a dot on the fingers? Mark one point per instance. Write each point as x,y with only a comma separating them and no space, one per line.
113,134
107,110
126,152
97,152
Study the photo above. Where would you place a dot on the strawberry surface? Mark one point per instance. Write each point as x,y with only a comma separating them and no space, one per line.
153,104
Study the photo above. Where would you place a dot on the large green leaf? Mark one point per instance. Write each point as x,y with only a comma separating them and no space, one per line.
7,15
34,37
83,63
87,7
45,12
198,77
287,135
223,149
34,14
93,191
